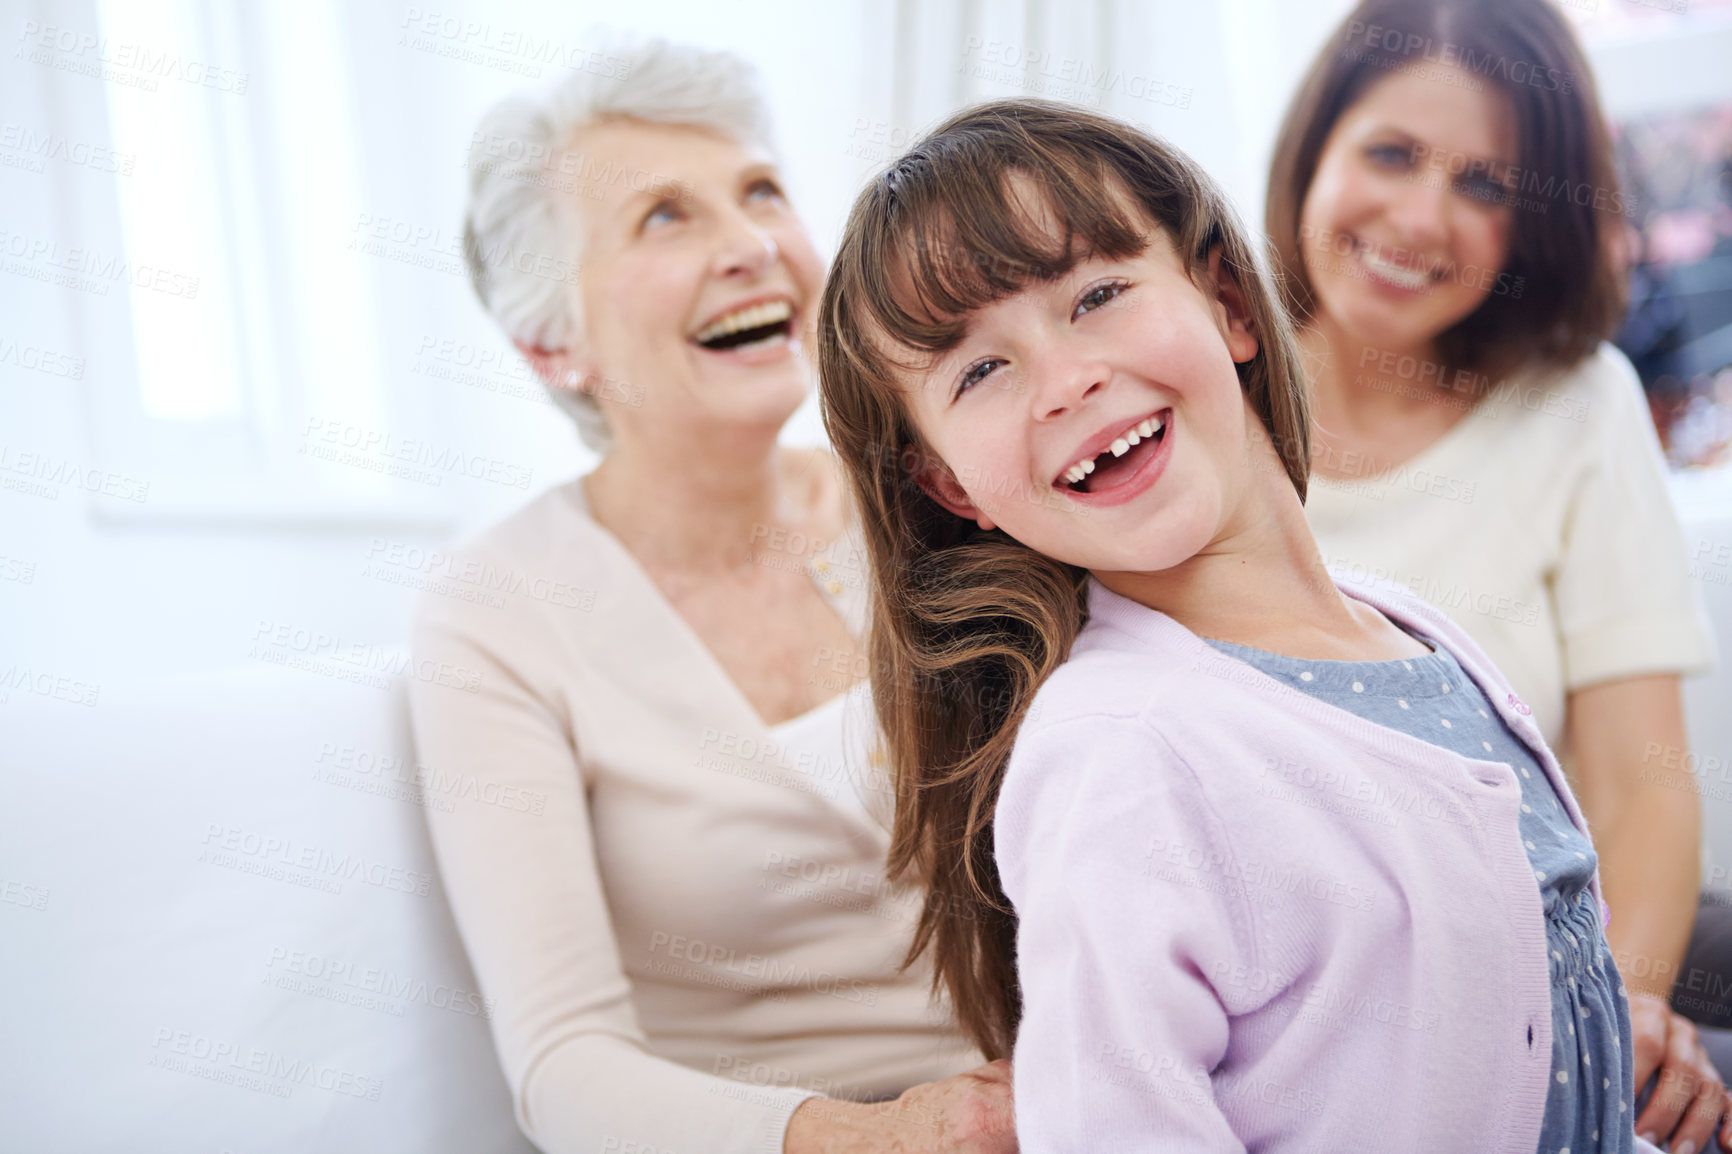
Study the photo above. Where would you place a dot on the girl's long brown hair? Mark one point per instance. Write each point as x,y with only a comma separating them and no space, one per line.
967,623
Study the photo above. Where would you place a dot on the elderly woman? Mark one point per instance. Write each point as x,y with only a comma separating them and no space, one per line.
667,856
1445,207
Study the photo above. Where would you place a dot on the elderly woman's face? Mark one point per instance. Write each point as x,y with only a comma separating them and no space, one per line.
698,281
1405,229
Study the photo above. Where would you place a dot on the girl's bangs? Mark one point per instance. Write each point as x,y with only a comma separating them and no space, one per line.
962,232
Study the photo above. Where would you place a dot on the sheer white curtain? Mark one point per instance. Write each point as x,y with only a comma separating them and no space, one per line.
280,361
259,393
304,349
1211,78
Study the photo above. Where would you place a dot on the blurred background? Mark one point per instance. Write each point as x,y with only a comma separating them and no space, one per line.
229,232
246,392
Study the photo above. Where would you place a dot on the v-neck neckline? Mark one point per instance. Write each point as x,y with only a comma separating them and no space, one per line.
580,498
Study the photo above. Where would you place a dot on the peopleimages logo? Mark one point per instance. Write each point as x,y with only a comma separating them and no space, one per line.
253,1067
36,146
317,651
411,458
41,474
1064,77
310,972
468,577
23,679
135,65
40,360
764,972
224,845
88,270
522,51
1410,46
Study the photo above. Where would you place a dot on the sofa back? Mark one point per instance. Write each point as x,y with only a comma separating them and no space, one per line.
222,929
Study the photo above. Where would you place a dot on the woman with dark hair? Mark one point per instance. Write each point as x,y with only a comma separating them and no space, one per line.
1446,215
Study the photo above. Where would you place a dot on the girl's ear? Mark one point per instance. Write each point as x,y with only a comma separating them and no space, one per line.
936,481
1238,328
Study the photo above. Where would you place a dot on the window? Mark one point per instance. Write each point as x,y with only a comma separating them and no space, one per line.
255,389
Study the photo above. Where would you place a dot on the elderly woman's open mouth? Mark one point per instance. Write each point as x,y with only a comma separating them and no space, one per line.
761,324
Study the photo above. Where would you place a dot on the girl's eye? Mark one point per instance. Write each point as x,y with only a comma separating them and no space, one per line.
1098,296
974,374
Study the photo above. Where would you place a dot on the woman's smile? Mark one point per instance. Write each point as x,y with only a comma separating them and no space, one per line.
1386,272
755,331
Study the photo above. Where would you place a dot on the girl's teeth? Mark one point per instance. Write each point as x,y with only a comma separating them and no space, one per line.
1149,427
1079,470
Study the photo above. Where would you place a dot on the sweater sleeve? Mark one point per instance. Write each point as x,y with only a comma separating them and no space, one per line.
1130,942
516,856
1626,604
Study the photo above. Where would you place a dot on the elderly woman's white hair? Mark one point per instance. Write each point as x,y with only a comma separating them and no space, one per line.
520,240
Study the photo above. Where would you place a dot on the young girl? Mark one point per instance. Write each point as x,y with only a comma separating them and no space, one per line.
1225,851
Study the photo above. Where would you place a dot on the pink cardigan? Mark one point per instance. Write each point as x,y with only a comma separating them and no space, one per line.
1252,920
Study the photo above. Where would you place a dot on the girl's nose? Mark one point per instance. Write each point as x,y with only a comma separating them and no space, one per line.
1063,384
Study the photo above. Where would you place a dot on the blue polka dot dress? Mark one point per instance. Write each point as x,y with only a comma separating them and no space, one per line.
1590,1097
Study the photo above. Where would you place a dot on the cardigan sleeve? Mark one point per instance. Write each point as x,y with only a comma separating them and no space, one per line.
1129,945
516,856
1625,601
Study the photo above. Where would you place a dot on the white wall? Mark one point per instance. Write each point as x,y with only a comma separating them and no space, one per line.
119,590
104,590
101,590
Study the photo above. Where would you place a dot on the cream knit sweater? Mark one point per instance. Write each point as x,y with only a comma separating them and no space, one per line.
681,918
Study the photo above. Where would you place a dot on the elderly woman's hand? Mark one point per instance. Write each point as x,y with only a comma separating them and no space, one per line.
968,1114
1690,1098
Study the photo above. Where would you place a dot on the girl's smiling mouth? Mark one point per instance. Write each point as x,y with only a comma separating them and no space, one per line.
1115,459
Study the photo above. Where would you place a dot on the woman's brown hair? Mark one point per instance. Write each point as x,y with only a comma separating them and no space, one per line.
968,623
1561,290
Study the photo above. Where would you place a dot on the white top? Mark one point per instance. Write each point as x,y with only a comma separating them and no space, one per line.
1540,523
836,740
679,913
